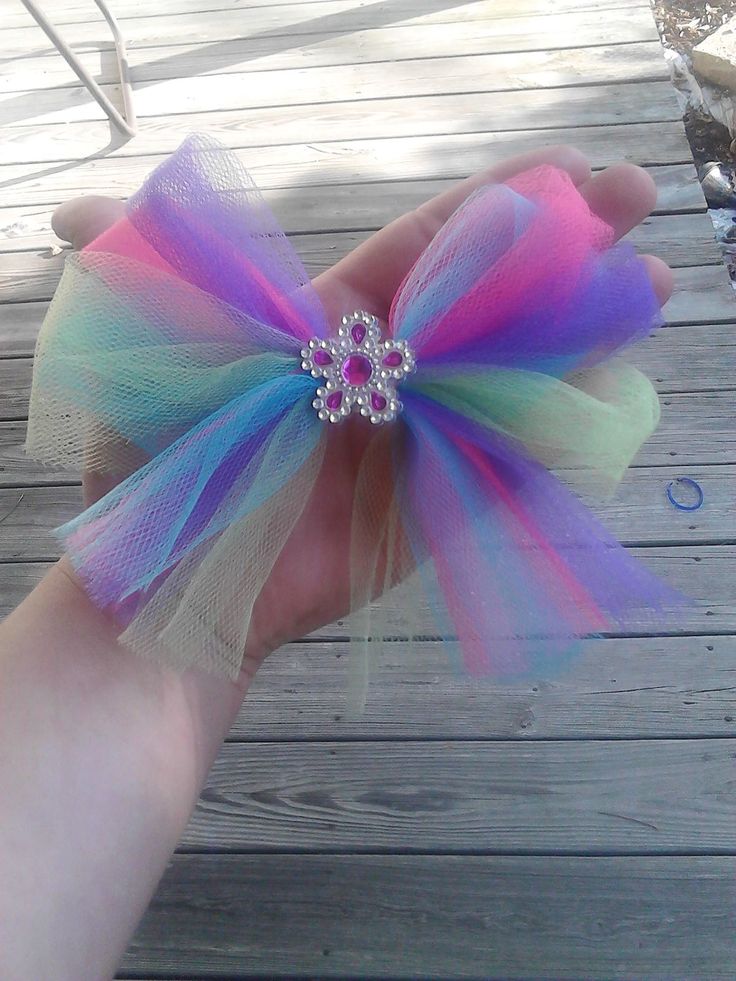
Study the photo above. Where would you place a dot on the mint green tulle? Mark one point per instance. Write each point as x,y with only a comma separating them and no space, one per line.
590,426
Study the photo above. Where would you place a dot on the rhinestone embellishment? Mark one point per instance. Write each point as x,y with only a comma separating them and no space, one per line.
360,370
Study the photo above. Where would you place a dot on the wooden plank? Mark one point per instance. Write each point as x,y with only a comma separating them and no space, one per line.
77,11
288,20
612,688
356,161
346,83
701,294
541,108
260,52
639,513
571,797
16,470
696,430
343,206
703,572
680,359
19,326
681,240
688,359
693,570
408,917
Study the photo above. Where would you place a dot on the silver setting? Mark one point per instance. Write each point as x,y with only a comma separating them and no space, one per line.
376,399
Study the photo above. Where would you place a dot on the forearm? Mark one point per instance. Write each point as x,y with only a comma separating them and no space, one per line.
102,756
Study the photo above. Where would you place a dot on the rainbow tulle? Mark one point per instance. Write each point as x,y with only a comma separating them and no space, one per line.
170,356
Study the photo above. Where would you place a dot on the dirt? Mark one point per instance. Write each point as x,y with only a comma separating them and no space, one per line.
683,24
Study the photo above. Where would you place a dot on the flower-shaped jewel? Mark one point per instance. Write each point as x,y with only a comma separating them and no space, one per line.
360,370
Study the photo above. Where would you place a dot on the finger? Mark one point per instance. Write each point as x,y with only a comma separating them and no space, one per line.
661,276
374,271
568,158
81,220
622,195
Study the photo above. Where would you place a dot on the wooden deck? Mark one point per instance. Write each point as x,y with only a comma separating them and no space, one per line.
582,828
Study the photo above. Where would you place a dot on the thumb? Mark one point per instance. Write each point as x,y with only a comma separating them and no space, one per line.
81,220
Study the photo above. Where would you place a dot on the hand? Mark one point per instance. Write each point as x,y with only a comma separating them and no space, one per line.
309,586
104,753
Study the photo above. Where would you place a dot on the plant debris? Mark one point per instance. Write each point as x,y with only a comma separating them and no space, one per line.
685,23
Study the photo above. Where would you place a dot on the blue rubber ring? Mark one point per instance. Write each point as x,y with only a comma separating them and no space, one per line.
688,482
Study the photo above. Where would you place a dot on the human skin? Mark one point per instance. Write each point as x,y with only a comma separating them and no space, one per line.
102,753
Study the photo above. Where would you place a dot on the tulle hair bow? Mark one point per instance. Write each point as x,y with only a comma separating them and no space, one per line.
187,349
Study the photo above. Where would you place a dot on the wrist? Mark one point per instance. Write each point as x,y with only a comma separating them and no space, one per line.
105,751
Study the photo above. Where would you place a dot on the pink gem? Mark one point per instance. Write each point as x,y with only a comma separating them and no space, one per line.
333,400
393,359
358,332
322,358
378,401
356,369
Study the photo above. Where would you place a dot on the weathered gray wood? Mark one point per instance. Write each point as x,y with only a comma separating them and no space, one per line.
76,11
693,570
579,797
341,83
632,687
639,513
703,572
356,161
441,916
613,688
424,121
19,326
681,240
340,206
338,47
682,359
670,237
538,108
289,20
16,469
696,430
701,294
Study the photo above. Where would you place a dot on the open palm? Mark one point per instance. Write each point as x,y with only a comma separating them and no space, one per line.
309,585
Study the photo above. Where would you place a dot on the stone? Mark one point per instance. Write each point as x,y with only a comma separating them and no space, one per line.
715,57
